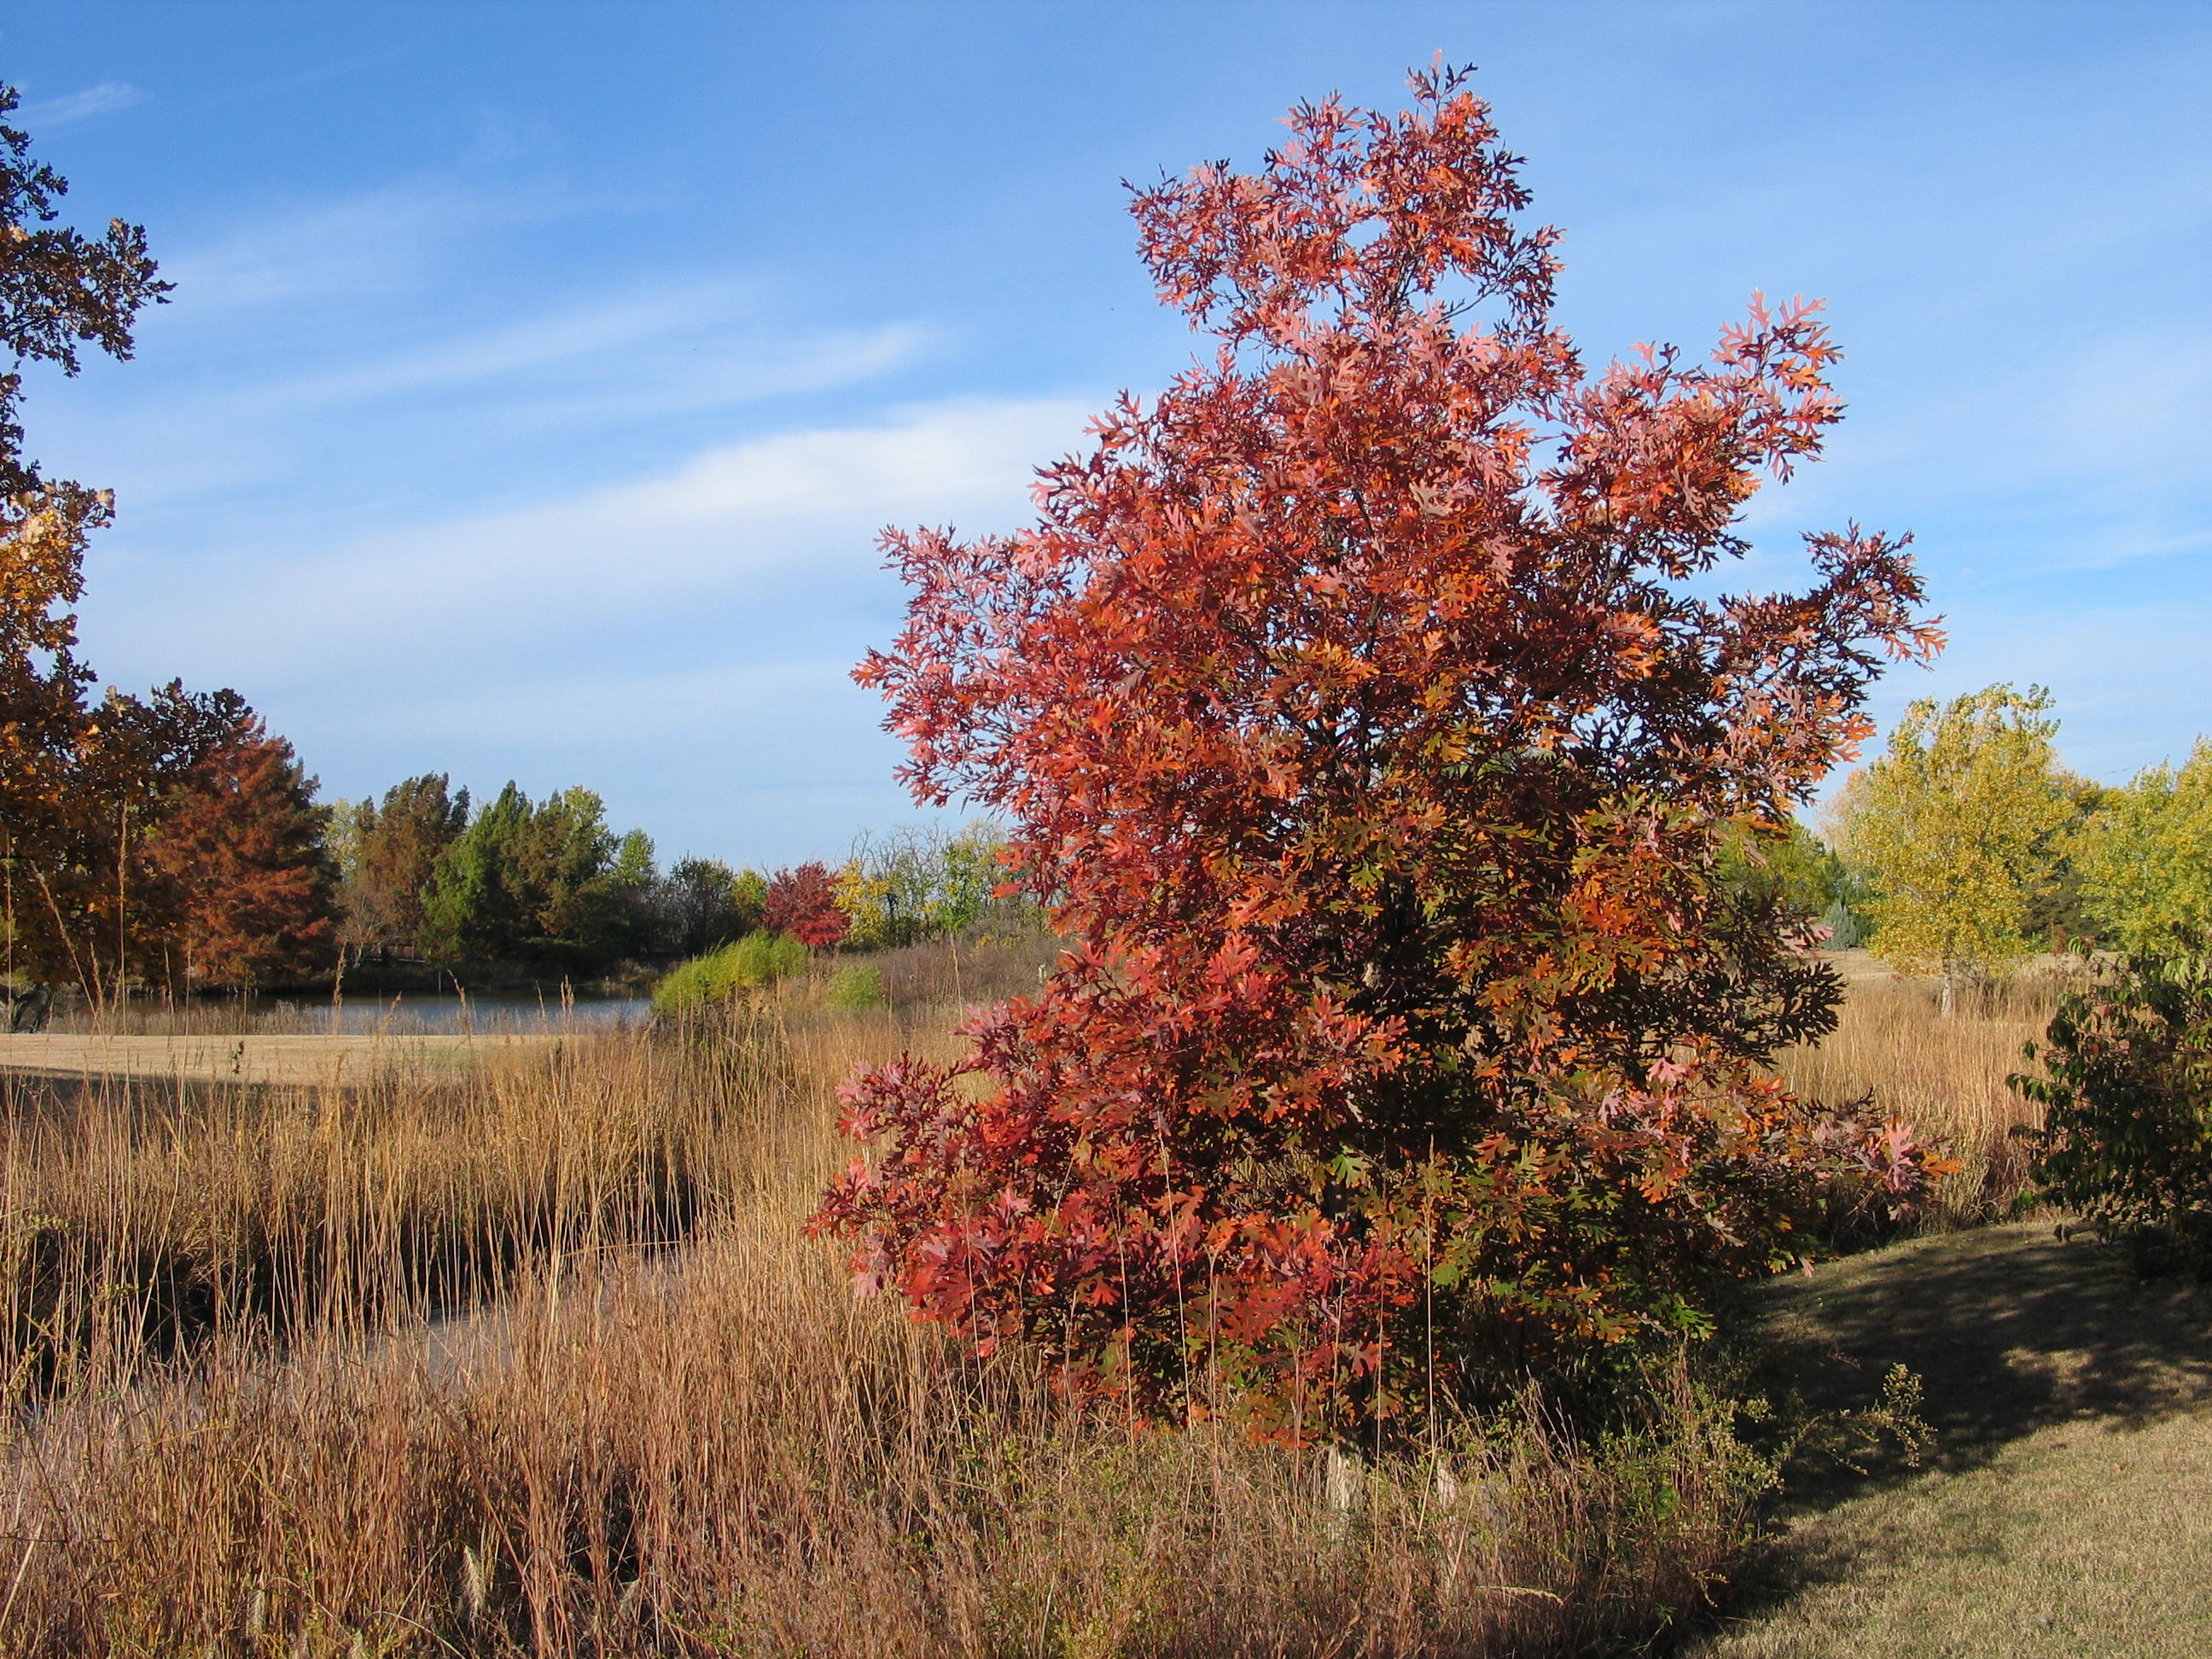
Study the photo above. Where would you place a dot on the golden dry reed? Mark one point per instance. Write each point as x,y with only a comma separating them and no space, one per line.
1944,1076
536,1360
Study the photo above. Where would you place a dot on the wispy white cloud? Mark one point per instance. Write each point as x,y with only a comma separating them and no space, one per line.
498,391
713,332
371,243
634,565
103,99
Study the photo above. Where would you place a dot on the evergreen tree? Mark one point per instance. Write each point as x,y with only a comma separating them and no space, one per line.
546,886
474,909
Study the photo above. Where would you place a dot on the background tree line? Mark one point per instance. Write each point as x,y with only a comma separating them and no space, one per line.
548,885
1965,846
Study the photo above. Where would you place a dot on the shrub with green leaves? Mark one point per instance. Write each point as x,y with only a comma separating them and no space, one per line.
753,962
2126,1090
857,986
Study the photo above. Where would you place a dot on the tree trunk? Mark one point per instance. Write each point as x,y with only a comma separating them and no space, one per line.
1950,999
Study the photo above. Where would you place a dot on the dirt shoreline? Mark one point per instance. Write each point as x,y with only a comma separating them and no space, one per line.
331,1060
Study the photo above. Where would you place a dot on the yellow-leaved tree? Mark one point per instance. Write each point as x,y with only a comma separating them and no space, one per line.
2145,859
1957,827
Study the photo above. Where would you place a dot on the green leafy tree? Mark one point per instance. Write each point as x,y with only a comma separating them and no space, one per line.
574,894
2143,858
697,906
1787,866
917,884
546,885
750,891
1957,827
2125,1089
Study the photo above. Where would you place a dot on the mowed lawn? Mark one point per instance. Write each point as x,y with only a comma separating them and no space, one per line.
2066,1508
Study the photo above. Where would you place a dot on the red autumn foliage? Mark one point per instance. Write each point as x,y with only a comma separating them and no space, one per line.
802,903
1362,713
238,857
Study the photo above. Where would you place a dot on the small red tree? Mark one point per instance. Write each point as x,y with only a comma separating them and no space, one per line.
802,903
239,854
1361,716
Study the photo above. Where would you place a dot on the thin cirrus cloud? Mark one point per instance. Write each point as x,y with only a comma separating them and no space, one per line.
322,255
671,350
48,114
583,368
766,543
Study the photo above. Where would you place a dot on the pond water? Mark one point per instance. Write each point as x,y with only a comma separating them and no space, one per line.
435,1015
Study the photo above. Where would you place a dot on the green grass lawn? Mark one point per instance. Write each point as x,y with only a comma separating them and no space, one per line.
2066,1508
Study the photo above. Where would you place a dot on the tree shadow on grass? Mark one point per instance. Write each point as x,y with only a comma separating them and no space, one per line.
2010,1330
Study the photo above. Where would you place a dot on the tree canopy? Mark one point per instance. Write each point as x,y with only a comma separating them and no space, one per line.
60,289
2144,859
238,857
1958,825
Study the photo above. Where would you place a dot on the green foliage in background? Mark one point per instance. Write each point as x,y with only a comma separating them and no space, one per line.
547,884
859,986
2144,859
1790,866
911,885
1958,828
753,962
702,903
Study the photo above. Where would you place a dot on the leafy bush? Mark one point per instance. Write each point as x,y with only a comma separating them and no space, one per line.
757,960
803,902
857,986
2126,1090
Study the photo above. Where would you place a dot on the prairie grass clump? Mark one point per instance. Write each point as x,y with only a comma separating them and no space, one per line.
860,985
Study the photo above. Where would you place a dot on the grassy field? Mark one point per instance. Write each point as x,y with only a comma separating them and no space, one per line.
531,1356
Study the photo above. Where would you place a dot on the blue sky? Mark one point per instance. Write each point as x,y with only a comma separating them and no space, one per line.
538,376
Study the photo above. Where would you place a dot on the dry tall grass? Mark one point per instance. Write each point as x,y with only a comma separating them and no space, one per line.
1945,1077
450,1389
